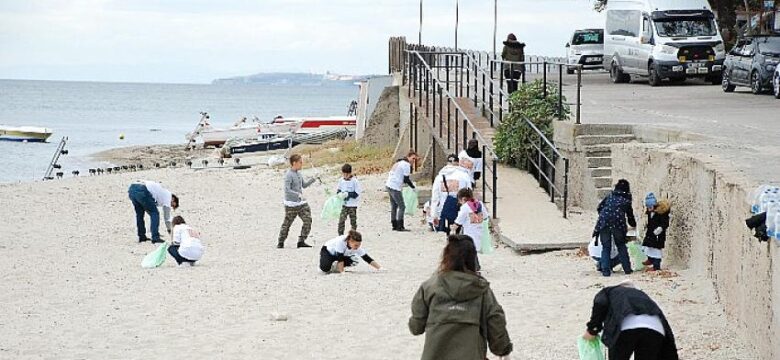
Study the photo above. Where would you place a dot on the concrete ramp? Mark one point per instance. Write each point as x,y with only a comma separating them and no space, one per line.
530,222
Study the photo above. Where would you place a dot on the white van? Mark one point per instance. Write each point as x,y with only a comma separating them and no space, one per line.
585,48
662,39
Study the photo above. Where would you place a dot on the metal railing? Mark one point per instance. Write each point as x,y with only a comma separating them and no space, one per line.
430,91
542,160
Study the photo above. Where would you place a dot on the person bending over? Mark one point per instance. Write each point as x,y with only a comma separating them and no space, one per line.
146,197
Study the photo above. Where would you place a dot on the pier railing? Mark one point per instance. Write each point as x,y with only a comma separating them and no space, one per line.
435,98
438,76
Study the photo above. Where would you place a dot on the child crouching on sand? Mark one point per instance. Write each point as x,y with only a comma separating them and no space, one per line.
655,236
343,251
470,217
186,247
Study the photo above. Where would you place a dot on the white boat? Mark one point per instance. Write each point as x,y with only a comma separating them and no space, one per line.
310,125
24,133
241,129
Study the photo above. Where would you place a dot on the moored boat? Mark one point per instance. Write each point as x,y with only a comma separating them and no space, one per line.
24,133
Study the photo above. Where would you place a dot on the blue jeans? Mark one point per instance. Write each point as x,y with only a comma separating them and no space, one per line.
656,263
614,262
606,236
449,213
143,202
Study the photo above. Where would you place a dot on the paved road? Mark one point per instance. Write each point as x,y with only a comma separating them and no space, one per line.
745,128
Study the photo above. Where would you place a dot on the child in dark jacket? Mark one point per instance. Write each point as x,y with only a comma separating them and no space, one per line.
655,235
614,210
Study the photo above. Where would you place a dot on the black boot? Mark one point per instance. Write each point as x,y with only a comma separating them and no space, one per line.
395,225
401,226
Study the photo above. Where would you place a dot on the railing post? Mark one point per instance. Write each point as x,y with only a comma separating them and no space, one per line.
411,123
484,174
441,113
560,91
565,188
544,82
433,158
456,132
447,71
551,179
579,90
468,77
539,160
449,107
495,188
433,104
465,134
416,117
491,96
476,77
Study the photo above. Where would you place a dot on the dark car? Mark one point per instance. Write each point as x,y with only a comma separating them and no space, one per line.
752,63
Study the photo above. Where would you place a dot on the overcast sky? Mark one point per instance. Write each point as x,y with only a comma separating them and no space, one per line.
195,41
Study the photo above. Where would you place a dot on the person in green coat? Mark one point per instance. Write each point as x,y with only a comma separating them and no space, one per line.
457,311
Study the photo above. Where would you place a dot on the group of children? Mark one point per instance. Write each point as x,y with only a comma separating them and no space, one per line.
609,245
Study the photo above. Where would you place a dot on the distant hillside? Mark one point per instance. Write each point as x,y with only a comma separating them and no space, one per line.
290,79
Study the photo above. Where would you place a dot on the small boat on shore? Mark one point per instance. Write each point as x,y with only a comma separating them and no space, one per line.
24,133
310,125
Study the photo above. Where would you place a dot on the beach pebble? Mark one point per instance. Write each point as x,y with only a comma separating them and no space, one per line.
277,316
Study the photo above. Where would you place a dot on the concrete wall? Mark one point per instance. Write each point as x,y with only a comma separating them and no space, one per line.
707,233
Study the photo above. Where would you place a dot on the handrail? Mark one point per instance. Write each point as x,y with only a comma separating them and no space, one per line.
451,98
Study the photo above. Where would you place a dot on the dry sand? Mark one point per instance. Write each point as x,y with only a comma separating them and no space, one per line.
72,285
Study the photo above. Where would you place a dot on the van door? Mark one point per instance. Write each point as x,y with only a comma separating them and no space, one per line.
645,47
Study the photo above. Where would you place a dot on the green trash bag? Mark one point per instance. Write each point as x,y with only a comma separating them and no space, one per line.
156,257
590,350
637,256
410,201
332,208
487,239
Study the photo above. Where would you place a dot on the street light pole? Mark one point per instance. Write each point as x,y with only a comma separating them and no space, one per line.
419,33
495,24
456,24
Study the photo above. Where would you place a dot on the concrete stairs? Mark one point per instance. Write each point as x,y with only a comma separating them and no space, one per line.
597,141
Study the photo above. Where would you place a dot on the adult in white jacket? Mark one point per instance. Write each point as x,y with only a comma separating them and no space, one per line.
444,201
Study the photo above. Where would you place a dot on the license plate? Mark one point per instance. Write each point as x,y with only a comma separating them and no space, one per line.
690,71
596,58
703,70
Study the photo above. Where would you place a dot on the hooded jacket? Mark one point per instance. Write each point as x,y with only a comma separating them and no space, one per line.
655,219
513,51
612,304
460,316
614,210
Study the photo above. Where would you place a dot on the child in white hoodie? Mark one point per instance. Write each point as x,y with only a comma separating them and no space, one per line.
185,247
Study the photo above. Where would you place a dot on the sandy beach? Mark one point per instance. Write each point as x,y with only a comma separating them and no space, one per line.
72,285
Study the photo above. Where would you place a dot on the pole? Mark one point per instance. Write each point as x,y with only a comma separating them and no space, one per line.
495,25
419,32
456,23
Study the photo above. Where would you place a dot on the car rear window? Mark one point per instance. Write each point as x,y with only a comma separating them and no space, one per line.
588,37
769,46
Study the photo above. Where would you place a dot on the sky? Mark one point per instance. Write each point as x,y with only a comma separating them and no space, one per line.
196,41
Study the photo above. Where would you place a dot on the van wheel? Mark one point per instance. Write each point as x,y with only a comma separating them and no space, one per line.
716,79
655,78
755,83
618,76
726,83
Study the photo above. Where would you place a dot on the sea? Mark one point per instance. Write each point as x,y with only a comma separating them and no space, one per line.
96,116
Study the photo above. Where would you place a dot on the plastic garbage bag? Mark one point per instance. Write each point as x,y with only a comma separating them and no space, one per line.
590,350
487,239
332,208
156,257
636,255
410,201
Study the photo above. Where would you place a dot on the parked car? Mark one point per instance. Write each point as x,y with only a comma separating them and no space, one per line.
776,82
752,63
662,39
586,48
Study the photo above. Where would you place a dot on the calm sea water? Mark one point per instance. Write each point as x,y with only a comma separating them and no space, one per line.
93,115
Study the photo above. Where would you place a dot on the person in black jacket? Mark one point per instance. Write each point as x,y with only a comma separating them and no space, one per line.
632,323
614,210
655,235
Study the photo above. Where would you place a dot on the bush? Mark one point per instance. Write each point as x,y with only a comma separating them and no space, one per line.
513,136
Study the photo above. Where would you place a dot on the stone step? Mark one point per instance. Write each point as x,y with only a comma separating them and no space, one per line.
599,162
604,139
601,172
603,192
603,129
602,182
598,151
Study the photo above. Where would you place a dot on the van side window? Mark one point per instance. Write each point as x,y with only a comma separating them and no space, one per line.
646,26
623,22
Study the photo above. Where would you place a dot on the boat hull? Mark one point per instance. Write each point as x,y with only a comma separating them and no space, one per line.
23,136
279,144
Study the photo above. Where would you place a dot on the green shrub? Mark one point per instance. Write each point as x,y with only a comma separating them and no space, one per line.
513,136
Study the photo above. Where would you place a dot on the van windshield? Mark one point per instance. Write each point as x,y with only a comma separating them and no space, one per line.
588,37
686,27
